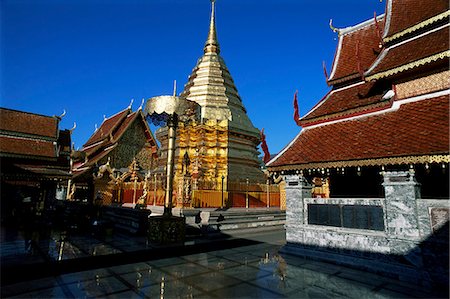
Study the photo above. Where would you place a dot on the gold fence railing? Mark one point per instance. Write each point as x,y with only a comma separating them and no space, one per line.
208,198
239,194
217,199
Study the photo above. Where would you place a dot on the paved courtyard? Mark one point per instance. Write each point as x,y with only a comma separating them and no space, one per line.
255,270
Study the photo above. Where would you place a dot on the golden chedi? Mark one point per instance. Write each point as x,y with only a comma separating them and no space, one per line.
222,143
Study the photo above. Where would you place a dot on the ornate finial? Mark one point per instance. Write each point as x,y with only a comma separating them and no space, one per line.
131,104
142,104
296,110
325,70
73,128
104,117
264,146
212,45
96,128
61,116
174,88
332,27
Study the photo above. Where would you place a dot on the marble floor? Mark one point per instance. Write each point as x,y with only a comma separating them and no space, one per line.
253,271
17,250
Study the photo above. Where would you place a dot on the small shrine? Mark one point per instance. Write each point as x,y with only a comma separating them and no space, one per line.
114,161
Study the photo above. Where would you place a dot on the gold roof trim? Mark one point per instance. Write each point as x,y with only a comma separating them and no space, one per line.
367,162
417,26
405,67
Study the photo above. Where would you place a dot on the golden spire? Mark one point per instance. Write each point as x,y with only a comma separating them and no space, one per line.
212,45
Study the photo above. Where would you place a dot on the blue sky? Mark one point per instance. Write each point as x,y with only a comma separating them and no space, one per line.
92,57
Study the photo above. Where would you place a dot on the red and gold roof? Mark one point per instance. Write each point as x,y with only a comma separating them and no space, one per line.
106,138
108,126
28,123
399,135
407,16
346,101
32,147
429,47
28,135
363,120
357,49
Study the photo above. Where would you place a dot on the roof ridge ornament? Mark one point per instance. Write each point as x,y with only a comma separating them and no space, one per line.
73,128
60,116
296,110
334,29
264,147
211,44
142,104
131,104
325,70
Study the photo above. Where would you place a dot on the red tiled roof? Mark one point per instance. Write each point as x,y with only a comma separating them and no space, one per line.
46,170
107,127
98,155
417,128
95,148
130,119
425,46
407,13
28,123
367,41
344,101
27,147
124,125
117,126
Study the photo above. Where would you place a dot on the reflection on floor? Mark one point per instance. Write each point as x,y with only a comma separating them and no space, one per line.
255,271
17,250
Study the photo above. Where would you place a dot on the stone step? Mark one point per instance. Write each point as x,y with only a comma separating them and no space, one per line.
216,220
243,231
246,220
246,211
255,217
249,224
232,216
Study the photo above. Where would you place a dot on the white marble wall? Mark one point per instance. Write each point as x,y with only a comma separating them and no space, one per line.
407,220
407,225
402,210
297,189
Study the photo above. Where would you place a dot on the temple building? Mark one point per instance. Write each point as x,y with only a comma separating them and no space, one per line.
368,171
34,159
222,144
122,148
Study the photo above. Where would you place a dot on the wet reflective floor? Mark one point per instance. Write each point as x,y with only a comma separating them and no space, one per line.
17,250
253,271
